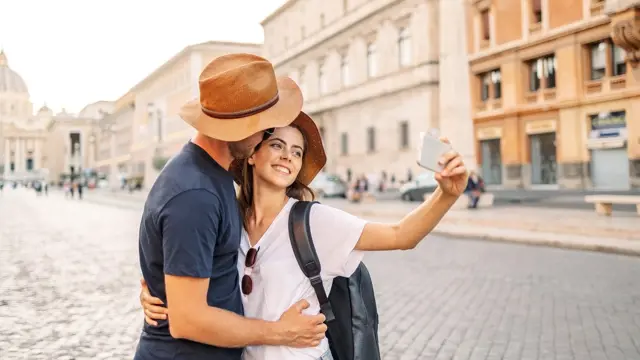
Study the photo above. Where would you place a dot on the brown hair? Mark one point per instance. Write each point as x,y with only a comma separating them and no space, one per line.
297,190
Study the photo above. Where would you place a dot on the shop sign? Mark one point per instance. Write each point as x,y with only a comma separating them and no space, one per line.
608,124
489,133
540,127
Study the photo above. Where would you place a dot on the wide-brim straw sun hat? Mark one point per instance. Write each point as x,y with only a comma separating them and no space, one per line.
241,95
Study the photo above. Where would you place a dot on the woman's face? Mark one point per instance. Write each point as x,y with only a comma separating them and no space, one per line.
279,158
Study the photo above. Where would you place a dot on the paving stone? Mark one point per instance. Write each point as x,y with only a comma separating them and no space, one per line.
69,290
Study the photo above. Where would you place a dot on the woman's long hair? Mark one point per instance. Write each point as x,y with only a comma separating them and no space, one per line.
297,190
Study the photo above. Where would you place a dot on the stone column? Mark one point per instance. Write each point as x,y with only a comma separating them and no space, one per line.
455,100
19,162
67,154
7,157
37,155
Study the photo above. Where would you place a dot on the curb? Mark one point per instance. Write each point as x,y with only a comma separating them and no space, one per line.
530,239
557,244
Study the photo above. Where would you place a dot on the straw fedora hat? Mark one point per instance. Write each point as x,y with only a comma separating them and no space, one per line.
240,95
314,156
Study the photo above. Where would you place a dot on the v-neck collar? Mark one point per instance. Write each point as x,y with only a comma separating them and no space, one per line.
245,244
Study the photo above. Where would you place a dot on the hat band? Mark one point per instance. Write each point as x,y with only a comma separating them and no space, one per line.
243,113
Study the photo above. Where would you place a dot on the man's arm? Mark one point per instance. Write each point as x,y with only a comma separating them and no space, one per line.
190,230
191,318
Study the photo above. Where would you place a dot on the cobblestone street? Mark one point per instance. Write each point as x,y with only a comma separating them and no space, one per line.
69,290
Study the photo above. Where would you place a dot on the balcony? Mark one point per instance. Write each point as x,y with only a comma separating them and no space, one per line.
489,105
540,96
613,83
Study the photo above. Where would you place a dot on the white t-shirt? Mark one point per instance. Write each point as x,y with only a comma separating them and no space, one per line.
278,281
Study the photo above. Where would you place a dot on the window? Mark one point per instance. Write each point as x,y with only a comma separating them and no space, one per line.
322,133
344,143
321,21
344,70
485,87
404,47
302,33
606,59
598,53
371,139
322,78
496,80
404,134
618,58
371,60
542,73
490,85
345,6
536,9
486,28
549,71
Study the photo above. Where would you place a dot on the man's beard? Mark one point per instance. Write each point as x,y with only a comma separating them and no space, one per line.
239,152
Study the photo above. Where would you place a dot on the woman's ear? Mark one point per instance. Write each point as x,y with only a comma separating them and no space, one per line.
251,161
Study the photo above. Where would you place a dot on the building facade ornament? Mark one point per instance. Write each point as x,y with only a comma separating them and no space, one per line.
625,28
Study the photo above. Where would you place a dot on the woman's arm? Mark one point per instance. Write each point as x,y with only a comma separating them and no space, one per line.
407,233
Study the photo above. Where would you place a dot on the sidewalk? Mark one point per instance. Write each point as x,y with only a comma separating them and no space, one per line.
562,228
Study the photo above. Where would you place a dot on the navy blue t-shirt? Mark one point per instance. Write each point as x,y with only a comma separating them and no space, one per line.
190,227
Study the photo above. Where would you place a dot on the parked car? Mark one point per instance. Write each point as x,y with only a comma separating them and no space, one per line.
414,190
328,185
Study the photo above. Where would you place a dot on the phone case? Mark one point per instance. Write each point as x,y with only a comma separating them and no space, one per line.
431,150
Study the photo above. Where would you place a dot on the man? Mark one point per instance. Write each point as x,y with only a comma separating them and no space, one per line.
190,228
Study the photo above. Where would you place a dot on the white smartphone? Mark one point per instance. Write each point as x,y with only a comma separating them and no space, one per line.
431,150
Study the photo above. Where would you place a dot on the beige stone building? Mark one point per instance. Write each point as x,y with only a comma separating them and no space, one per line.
556,92
144,130
113,141
43,146
370,73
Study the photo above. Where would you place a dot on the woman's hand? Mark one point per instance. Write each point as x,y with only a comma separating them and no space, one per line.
453,178
152,306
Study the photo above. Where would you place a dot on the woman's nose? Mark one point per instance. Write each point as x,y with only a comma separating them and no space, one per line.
285,155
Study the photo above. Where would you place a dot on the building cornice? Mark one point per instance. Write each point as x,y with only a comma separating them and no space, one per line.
287,4
182,54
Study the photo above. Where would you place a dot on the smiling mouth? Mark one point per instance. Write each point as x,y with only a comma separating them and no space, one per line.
282,169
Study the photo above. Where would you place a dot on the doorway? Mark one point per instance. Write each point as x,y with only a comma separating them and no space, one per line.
543,159
491,162
610,169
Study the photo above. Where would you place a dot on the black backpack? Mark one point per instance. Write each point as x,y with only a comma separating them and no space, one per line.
350,308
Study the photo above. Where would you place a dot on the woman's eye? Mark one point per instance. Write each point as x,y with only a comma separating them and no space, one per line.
297,153
276,146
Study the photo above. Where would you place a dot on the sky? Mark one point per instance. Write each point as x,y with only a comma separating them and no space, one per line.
75,52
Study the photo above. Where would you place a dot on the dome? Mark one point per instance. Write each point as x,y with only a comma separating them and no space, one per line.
10,81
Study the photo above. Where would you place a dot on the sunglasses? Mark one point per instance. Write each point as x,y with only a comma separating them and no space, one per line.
267,133
249,262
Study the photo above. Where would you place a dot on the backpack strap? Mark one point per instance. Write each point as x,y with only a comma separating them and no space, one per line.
305,252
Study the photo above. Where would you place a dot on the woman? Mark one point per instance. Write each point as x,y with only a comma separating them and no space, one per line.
271,181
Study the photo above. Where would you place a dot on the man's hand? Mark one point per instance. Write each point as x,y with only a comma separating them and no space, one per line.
300,330
153,307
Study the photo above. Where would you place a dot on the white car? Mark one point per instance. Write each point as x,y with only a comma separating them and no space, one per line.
415,189
328,185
